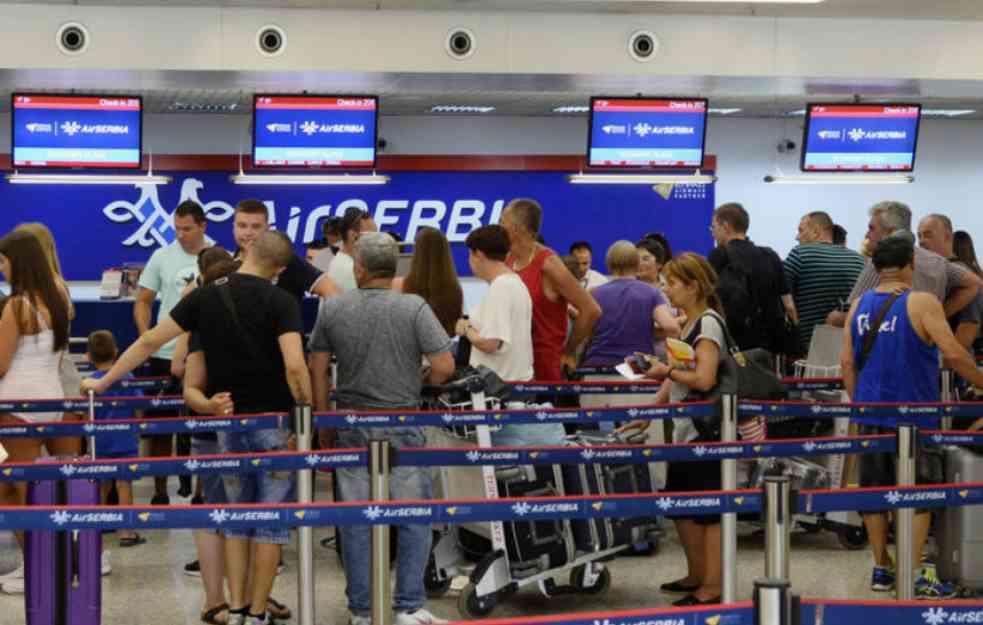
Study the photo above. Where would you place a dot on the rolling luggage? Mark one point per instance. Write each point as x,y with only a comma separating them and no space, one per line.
62,584
803,474
534,546
608,479
960,530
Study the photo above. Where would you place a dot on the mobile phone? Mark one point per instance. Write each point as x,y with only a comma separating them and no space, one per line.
639,363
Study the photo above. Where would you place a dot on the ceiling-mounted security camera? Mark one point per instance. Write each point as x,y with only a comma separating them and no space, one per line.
72,38
271,40
786,146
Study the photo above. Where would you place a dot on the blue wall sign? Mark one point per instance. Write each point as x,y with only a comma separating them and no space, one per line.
103,226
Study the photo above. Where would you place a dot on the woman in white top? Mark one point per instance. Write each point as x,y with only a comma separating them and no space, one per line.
33,341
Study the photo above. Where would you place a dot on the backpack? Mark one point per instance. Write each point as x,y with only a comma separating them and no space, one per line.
753,320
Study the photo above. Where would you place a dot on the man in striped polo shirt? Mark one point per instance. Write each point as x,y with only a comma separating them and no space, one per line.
819,274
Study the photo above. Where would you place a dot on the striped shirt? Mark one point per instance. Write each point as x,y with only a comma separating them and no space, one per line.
820,277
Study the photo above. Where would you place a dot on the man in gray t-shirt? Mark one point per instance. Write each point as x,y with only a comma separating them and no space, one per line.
380,338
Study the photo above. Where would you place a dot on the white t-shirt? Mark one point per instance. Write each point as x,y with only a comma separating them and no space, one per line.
593,279
342,272
505,313
168,272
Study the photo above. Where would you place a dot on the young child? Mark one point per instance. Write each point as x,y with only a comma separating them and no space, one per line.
102,353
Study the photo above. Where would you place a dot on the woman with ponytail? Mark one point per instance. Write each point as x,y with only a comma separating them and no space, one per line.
690,284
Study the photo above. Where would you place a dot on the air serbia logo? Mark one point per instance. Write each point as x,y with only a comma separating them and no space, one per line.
71,128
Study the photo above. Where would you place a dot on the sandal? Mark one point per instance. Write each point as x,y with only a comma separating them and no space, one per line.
210,616
277,610
132,541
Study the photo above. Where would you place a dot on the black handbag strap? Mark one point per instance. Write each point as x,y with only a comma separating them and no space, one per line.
225,293
875,330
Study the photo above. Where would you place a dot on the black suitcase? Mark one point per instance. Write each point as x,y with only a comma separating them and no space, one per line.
535,546
608,479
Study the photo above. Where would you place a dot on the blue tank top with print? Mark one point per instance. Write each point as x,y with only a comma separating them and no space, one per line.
901,367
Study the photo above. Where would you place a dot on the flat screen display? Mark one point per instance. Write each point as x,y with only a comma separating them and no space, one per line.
76,131
860,137
647,132
315,131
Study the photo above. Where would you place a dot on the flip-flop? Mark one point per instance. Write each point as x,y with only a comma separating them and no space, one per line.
132,541
277,610
209,615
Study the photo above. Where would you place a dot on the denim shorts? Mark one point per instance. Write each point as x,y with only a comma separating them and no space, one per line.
267,487
212,486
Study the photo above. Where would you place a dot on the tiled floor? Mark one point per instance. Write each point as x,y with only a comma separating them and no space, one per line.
148,587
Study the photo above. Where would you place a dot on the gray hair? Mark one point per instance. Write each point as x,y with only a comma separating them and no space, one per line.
895,215
377,253
942,219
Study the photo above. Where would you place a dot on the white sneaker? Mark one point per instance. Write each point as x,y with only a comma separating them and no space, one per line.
359,620
106,567
13,586
420,617
17,573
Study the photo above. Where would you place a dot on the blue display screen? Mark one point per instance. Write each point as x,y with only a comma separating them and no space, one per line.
861,137
76,131
653,133
314,131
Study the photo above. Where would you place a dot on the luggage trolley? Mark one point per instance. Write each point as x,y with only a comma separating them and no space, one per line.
500,571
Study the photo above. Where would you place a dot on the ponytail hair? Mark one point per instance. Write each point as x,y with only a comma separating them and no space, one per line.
692,269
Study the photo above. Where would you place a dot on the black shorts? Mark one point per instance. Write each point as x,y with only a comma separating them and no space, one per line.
161,367
695,477
878,470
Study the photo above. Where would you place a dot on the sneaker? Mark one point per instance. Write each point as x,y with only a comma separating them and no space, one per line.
106,567
929,586
160,500
882,579
263,619
17,573
280,567
354,619
13,586
420,617
192,569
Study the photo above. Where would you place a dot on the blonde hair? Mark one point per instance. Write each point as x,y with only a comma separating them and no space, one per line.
47,241
622,257
690,268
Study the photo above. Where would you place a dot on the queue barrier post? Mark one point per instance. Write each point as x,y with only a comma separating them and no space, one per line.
907,464
303,427
778,525
92,419
380,585
947,395
728,481
774,603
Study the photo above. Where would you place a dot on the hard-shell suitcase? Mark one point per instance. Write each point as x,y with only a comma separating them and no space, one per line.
803,474
608,479
960,531
62,584
534,546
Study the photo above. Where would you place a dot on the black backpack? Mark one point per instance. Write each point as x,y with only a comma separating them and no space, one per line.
753,320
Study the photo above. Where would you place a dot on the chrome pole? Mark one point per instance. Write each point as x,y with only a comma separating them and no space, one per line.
948,395
92,419
777,527
773,602
303,426
381,585
728,481
905,517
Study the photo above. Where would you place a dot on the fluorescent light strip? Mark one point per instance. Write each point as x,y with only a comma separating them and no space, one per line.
946,112
16,178
724,111
450,108
571,109
309,179
641,179
842,179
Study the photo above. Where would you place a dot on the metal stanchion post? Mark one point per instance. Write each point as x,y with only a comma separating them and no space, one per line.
947,395
778,511
380,585
303,426
92,418
905,517
728,481
774,603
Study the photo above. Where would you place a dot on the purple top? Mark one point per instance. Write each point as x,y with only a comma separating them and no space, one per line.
627,323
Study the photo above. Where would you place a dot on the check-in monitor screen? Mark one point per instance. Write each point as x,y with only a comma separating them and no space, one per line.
647,133
860,137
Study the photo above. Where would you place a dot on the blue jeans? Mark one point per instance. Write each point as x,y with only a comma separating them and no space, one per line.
264,487
413,548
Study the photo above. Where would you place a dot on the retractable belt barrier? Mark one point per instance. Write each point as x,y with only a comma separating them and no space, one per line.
858,409
820,612
607,387
529,509
136,468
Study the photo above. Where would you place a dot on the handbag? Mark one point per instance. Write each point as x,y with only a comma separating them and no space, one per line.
747,374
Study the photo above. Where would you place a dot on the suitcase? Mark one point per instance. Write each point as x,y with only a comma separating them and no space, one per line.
960,530
608,479
802,474
534,546
62,584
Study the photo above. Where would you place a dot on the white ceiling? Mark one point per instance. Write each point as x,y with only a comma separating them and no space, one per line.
909,9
